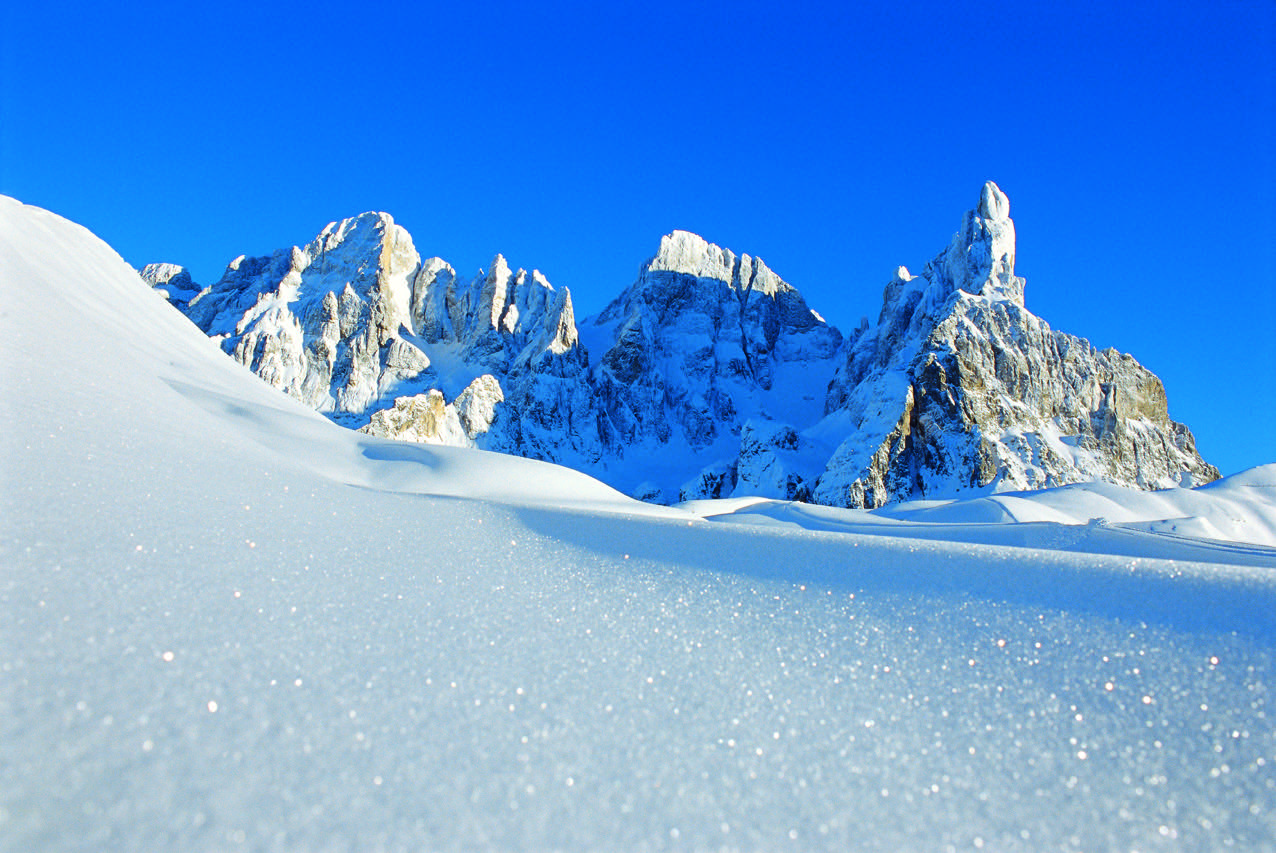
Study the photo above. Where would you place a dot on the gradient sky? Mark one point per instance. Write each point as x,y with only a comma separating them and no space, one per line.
1136,143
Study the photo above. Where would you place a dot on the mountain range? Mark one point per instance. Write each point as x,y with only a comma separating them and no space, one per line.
709,376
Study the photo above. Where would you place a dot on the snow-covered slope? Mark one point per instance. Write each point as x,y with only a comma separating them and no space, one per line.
1228,521
230,624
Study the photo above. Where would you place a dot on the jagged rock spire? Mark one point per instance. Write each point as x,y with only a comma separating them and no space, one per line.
981,257
993,203
959,387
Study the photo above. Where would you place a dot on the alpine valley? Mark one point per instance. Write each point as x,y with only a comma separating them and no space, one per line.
709,376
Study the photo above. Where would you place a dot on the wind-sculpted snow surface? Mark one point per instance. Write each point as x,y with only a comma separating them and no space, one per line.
1229,521
231,624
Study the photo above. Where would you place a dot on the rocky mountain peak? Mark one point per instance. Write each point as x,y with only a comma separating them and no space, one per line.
495,287
498,268
980,260
685,252
369,225
993,203
162,274
690,254
704,340
960,387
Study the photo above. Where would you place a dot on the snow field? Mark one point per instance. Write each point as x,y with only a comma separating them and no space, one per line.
233,625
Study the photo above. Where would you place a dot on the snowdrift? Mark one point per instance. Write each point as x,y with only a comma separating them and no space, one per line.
231,624
1227,521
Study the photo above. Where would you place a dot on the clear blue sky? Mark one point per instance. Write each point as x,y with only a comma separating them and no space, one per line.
1136,143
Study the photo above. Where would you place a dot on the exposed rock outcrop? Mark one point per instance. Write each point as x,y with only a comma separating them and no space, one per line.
958,386
702,341
429,419
172,280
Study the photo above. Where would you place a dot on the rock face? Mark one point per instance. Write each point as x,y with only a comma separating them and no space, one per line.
709,376
958,387
702,342
171,280
324,323
344,324
429,419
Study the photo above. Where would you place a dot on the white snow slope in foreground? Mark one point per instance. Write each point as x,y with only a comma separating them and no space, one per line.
229,624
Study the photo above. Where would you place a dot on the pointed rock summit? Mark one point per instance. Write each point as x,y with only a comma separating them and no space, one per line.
322,322
343,323
993,204
959,387
981,257
702,341
709,376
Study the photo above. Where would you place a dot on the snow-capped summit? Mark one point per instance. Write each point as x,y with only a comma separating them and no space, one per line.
340,323
690,254
322,322
702,341
500,314
993,204
981,257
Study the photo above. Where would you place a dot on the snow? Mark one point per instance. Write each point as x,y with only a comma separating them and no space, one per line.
231,624
690,254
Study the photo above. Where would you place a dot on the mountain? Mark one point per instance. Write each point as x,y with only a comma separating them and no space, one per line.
328,323
709,376
701,345
172,281
959,387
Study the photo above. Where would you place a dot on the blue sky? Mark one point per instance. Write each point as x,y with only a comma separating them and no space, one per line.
1136,143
